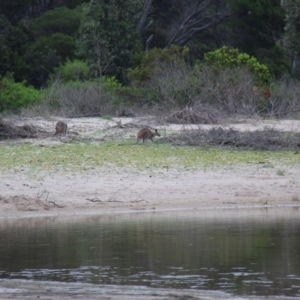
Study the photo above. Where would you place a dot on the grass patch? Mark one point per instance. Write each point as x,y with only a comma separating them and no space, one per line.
107,117
280,172
81,157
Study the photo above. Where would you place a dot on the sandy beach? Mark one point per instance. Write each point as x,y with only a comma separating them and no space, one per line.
125,192
110,190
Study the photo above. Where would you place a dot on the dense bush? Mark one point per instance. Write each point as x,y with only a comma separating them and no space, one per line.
59,20
226,57
230,90
82,98
156,60
71,70
15,95
283,100
162,78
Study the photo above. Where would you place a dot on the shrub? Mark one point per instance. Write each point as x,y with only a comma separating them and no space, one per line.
72,70
283,100
162,78
78,98
156,60
15,95
232,58
230,90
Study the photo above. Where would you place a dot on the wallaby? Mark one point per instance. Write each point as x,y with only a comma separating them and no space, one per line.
61,128
145,134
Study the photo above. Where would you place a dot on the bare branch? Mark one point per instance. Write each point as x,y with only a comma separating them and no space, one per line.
204,14
146,9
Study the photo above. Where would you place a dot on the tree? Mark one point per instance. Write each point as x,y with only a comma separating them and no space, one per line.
59,20
179,22
15,10
12,48
256,28
146,9
53,42
195,17
256,24
108,36
292,29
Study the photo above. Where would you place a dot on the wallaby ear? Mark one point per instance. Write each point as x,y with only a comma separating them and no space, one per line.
155,130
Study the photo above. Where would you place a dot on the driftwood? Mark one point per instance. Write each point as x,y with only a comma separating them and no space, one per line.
190,116
8,131
267,139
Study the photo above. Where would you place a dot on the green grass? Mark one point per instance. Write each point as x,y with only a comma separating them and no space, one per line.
280,172
80,157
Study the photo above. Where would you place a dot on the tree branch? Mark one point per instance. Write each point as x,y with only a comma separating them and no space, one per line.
146,8
205,14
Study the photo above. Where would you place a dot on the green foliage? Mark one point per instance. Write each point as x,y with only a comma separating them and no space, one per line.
111,83
156,60
108,38
164,77
52,42
232,58
260,21
256,27
15,95
14,10
275,59
74,3
42,61
72,70
63,45
12,49
59,20
292,28
33,48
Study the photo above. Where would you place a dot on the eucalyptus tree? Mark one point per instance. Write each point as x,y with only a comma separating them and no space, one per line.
292,28
257,28
167,22
254,27
108,37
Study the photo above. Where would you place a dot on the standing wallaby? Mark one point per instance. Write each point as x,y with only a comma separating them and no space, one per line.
61,128
145,134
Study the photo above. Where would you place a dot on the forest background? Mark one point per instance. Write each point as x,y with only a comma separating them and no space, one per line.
100,57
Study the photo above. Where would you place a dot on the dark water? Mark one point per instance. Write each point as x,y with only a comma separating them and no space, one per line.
243,252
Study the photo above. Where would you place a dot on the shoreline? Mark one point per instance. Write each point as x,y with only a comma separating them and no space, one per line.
124,192
146,211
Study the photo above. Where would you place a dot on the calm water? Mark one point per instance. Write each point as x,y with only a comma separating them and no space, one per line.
243,252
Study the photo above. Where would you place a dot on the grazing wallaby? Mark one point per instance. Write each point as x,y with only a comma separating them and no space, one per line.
145,134
61,128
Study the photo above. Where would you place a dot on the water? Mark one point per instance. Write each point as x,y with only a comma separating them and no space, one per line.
242,252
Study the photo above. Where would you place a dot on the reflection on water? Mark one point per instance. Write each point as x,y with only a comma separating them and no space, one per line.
244,252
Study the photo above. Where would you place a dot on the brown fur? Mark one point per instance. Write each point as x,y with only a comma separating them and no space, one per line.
61,128
146,134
